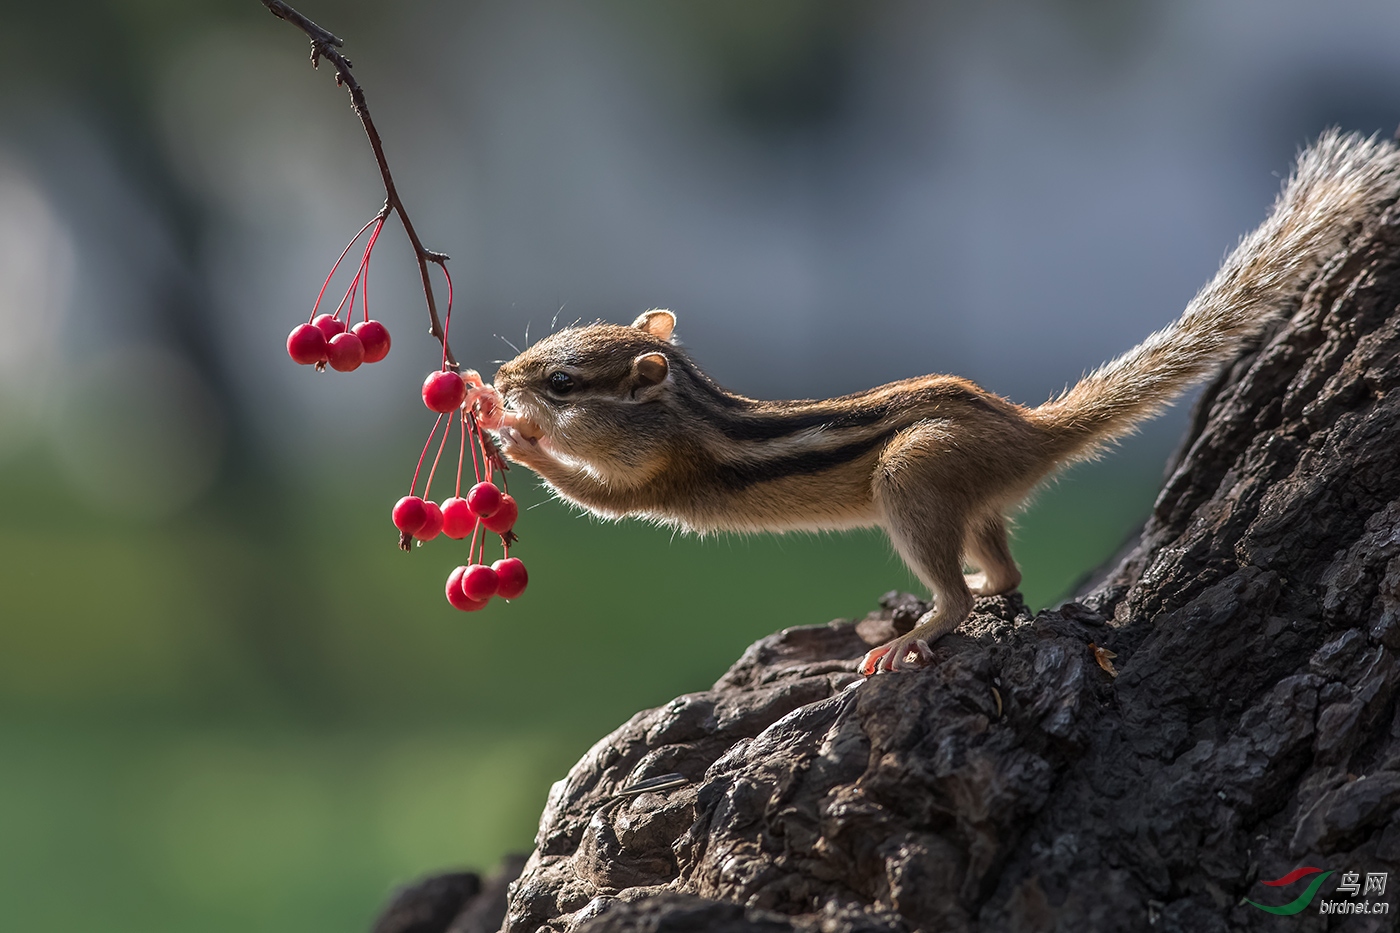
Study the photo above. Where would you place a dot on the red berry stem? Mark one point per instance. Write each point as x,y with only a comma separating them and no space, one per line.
441,444
495,457
350,293
491,454
379,218
485,458
364,265
447,322
461,451
417,469
361,274
476,471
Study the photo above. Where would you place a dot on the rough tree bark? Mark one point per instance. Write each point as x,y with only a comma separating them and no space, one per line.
1016,785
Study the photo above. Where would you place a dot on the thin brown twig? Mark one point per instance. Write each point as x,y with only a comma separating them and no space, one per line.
326,44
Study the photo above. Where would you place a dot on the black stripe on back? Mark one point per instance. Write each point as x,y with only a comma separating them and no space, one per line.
740,476
770,426
737,420
708,385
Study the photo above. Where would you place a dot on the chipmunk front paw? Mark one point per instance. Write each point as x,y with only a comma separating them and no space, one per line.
483,401
520,445
902,654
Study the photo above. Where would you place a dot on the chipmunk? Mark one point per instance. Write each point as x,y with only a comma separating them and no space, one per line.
621,421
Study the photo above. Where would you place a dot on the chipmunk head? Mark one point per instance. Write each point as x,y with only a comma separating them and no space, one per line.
595,394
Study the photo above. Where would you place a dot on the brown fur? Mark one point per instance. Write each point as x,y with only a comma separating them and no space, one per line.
935,461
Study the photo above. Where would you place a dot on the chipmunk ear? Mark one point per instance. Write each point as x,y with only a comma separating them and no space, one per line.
659,323
650,368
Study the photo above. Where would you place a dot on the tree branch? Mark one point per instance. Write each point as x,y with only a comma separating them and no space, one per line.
326,44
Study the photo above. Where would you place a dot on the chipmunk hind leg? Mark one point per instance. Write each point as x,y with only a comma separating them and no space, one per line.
920,491
986,549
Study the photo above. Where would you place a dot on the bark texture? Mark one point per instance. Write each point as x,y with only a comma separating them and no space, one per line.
1016,785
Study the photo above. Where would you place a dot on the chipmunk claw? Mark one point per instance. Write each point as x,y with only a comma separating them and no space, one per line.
870,664
902,654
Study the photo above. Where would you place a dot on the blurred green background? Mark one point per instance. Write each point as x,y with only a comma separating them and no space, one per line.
227,700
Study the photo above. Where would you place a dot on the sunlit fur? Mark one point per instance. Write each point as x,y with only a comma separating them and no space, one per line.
935,460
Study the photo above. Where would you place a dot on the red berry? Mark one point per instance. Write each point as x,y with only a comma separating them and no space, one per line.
459,599
432,527
484,499
510,577
444,391
306,344
329,326
503,519
410,514
457,518
375,337
479,582
345,353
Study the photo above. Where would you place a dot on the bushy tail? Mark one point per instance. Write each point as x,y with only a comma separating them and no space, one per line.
1339,183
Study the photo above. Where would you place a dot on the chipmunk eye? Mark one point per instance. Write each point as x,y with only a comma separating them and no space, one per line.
560,382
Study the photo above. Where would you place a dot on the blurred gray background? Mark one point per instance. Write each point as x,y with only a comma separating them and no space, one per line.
226,700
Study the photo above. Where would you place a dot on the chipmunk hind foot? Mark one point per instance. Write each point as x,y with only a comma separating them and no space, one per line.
911,651
901,654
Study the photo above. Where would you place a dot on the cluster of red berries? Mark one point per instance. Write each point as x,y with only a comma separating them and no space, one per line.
326,339
471,585
460,397
484,508
463,397
457,517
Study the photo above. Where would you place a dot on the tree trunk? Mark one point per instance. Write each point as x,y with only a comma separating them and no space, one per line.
1017,785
